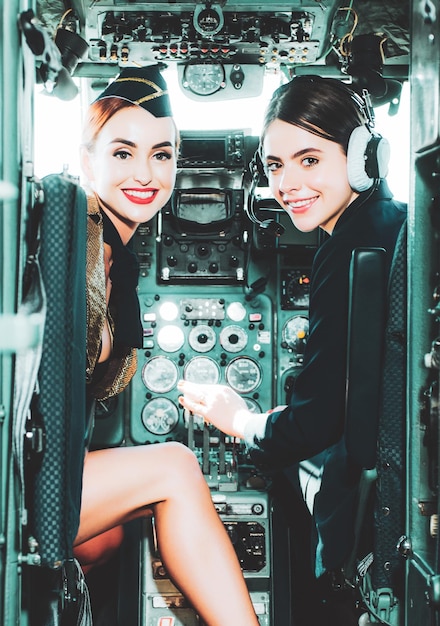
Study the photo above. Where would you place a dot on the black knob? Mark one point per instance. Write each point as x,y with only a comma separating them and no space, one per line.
203,251
192,267
213,268
172,261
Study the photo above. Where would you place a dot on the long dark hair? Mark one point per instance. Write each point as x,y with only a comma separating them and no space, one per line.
323,106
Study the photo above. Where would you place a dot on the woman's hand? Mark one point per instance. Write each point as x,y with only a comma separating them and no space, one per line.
217,404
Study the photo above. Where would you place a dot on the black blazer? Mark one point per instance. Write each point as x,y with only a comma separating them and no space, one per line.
314,420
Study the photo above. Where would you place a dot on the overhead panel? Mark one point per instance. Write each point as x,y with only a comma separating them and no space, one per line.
220,40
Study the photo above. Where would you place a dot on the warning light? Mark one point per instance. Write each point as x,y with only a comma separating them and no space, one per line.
166,621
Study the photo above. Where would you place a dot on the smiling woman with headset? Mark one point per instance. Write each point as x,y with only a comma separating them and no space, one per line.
326,167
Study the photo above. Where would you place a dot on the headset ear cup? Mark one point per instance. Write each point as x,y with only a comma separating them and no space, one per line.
382,157
368,155
356,159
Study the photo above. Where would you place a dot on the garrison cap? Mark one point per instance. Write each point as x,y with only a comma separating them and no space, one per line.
144,86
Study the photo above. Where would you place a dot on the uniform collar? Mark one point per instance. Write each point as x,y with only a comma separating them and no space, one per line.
381,192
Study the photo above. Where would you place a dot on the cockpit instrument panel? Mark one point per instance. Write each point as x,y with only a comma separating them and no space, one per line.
220,49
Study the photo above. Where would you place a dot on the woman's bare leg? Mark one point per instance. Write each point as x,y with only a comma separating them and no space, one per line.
100,549
122,484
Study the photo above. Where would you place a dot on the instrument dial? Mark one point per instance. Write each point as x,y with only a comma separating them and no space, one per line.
170,338
252,405
202,338
295,333
233,338
168,311
160,374
236,311
160,416
202,369
208,21
298,289
243,374
204,79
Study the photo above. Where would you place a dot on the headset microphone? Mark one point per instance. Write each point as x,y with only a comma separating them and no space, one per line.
268,227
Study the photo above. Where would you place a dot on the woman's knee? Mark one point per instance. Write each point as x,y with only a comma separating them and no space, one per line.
183,463
181,455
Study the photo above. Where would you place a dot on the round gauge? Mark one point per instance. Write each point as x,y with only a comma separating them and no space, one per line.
204,79
160,416
202,369
160,374
236,312
170,338
168,311
243,374
202,338
252,405
298,290
295,333
233,338
208,20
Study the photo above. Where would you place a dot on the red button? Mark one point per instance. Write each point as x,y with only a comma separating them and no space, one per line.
165,621
255,317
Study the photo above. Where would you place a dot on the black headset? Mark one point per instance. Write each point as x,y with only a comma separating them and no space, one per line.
269,227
